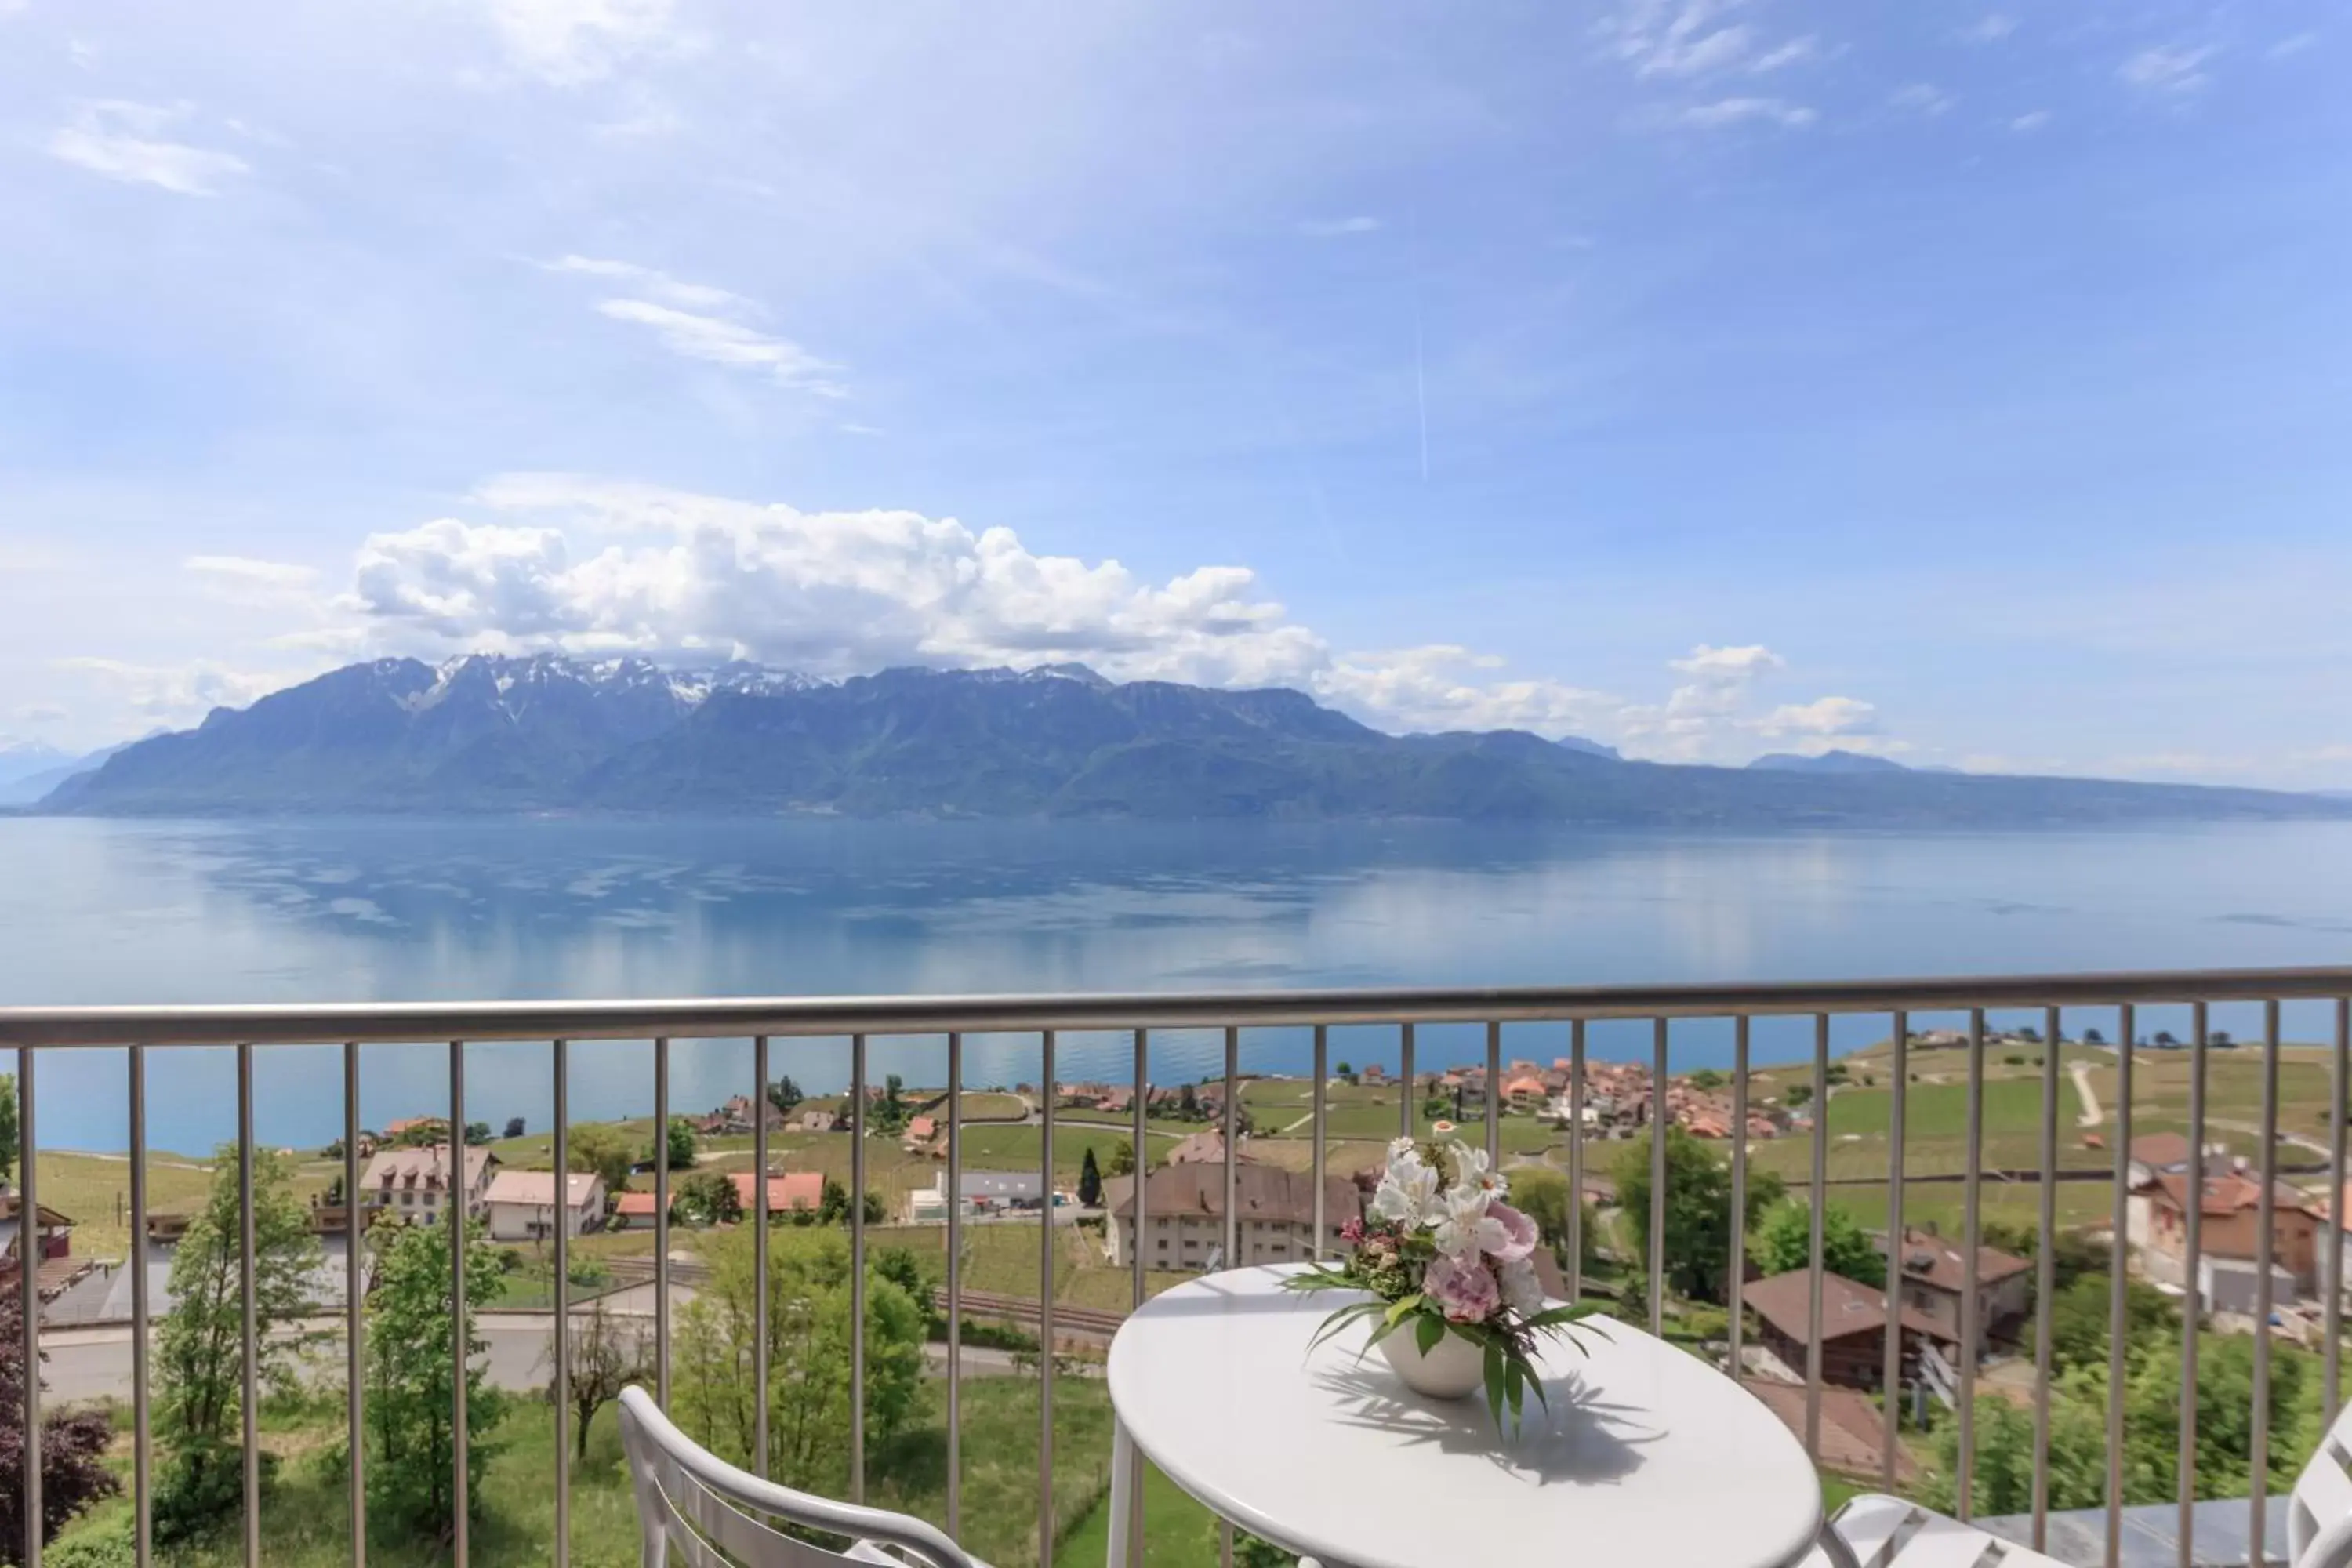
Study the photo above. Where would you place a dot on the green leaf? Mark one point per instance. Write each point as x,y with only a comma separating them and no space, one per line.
1428,1331
1495,1383
1401,1306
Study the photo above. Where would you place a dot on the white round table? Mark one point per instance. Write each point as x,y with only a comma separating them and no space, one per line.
1646,1454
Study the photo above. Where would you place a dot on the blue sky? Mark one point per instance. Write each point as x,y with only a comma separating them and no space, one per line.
1963,382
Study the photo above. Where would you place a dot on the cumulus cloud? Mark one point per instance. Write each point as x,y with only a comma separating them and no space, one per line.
1443,686
1822,718
125,141
566,43
1726,112
2168,70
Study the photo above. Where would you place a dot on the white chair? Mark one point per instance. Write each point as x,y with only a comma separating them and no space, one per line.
695,1505
2319,1511
1878,1532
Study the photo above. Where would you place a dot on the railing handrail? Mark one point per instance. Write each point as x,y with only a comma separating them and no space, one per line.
711,1017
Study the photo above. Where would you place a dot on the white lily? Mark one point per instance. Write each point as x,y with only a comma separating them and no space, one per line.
1400,1147
1408,1194
1467,1230
1472,1169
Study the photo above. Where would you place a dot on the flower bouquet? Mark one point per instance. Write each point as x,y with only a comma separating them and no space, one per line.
1450,1263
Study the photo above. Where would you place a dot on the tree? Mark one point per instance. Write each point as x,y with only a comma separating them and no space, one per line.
608,1356
2222,1039
199,1362
709,1197
1796,1094
2093,1037
784,1095
478,1133
74,1476
422,1134
833,1202
1708,1079
2165,1037
808,1393
900,1266
1122,1159
1697,1241
678,1149
514,1126
8,1139
1344,1071
2078,1320
890,1110
410,1376
876,1207
1785,1242
1089,1181
1436,1106
603,1151
2029,1034
2006,1455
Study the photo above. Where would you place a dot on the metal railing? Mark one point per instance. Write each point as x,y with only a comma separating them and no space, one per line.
34,1033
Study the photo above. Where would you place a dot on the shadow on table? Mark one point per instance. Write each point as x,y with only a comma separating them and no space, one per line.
1577,1439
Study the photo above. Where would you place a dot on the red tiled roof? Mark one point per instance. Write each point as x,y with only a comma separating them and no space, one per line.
1785,1301
792,1190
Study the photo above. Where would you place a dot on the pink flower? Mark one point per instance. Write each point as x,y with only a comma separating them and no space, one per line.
1352,1232
1518,1233
1465,1291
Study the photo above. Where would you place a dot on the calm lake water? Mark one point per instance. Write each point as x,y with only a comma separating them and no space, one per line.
96,912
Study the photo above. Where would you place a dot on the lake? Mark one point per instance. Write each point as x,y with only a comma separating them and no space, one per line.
414,909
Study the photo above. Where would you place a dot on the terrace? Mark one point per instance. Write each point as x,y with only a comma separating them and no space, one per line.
1001,1436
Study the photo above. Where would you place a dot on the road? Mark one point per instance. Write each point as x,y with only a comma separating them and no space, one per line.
2091,1116
95,1363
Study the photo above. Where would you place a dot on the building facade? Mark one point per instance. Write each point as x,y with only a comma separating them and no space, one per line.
414,1184
1184,1216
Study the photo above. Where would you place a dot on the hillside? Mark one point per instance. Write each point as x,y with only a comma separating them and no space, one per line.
493,734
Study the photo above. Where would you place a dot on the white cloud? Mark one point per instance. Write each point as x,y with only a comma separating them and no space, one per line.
1709,666
177,693
2168,70
699,321
39,713
2292,44
1794,52
2027,123
1921,98
568,42
1430,688
123,140
1991,28
1822,718
724,341
244,569
1726,112
1338,229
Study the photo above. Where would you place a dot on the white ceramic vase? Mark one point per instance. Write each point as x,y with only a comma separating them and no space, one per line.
1454,1368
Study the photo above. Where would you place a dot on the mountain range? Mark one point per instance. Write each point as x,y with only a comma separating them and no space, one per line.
545,733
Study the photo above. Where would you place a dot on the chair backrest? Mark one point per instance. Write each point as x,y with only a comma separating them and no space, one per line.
694,1504
1877,1532
2319,1513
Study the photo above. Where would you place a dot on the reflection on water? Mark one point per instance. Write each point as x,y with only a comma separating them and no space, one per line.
418,908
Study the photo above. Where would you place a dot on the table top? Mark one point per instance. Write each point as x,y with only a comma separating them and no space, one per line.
1645,1454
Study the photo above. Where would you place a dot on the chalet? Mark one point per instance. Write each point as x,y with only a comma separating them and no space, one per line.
1934,1280
1853,1327
821,1121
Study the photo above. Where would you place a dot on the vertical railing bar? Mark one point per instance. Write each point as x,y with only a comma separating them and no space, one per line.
560,1214
955,1282
1576,1159
2045,1278
857,1269
2192,1309
2118,1299
2331,1293
455,1215
248,1309
1814,1263
1404,1077
661,1224
1322,1061
1232,1197
1047,1241
28,1270
1971,1227
143,1518
1138,1199
1657,1247
1736,1263
1494,1093
355,1309
760,1305
1899,1126
2258,1458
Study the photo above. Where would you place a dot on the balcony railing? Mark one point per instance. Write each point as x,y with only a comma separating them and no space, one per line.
782,1029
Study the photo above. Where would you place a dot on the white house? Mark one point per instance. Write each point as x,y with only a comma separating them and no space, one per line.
1184,1216
522,1204
414,1183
